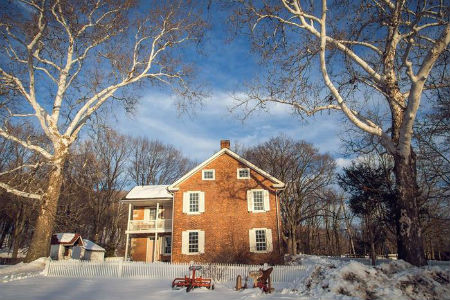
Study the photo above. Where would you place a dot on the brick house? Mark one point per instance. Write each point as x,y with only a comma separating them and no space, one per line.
224,210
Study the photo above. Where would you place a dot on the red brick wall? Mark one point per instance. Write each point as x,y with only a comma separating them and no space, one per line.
226,220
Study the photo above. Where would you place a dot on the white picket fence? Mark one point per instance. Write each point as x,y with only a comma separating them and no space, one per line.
128,269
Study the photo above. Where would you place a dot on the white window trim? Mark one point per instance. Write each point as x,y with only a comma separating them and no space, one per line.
251,202
253,195
201,202
209,170
238,175
269,242
201,242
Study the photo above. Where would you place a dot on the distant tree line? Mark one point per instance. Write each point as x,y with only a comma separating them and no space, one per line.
98,174
318,217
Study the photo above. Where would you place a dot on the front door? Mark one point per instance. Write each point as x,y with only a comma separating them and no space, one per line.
150,249
153,249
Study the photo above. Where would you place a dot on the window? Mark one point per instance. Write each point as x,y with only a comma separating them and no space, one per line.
193,202
260,240
168,245
193,242
208,174
150,213
243,173
260,236
258,201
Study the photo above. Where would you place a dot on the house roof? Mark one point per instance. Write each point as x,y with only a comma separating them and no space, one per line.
149,192
91,246
65,238
277,183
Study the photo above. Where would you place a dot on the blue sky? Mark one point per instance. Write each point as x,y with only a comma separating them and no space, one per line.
224,68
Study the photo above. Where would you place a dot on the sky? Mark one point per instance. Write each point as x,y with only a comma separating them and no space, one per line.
224,67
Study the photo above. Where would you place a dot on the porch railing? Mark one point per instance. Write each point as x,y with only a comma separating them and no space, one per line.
150,225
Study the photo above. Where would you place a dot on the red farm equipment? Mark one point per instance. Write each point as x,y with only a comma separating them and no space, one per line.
193,282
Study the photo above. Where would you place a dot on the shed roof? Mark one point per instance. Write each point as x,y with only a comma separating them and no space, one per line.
66,238
91,246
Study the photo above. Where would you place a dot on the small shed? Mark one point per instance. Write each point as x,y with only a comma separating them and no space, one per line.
66,246
92,251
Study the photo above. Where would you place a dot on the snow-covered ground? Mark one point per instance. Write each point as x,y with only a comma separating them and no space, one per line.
323,278
22,270
40,288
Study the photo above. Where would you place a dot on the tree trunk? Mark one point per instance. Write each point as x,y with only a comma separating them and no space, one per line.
5,232
18,231
409,236
348,227
337,241
373,254
292,241
40,243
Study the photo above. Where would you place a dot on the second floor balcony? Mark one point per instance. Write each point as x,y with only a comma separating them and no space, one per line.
149,226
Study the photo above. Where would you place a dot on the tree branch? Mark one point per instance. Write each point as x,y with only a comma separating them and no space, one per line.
26,144
19,193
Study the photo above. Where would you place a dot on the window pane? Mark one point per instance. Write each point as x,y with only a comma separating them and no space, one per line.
261,240
168,244
152,213
208,174
258,200
243,173
193,202
193,242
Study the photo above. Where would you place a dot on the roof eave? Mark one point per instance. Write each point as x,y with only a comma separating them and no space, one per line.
144,199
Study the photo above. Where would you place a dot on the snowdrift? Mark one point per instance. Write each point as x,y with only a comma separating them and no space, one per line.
334,279
22,270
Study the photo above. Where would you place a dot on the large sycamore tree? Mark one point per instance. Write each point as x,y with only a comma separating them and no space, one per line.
61,61
374,61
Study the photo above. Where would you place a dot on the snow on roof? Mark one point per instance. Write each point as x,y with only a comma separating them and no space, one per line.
89,245
65,238
149,192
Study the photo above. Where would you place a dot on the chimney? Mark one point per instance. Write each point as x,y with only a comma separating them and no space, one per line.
224,144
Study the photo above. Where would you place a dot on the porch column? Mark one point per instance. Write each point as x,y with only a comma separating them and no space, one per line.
156,232
128,235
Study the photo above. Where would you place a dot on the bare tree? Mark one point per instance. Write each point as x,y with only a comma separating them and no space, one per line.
373,54
153,162
95,180
62,60
20,167
306,173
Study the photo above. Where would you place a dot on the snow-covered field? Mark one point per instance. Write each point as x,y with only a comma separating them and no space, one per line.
40,288
323,278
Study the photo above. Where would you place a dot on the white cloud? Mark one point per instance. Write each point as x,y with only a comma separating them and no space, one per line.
197,135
